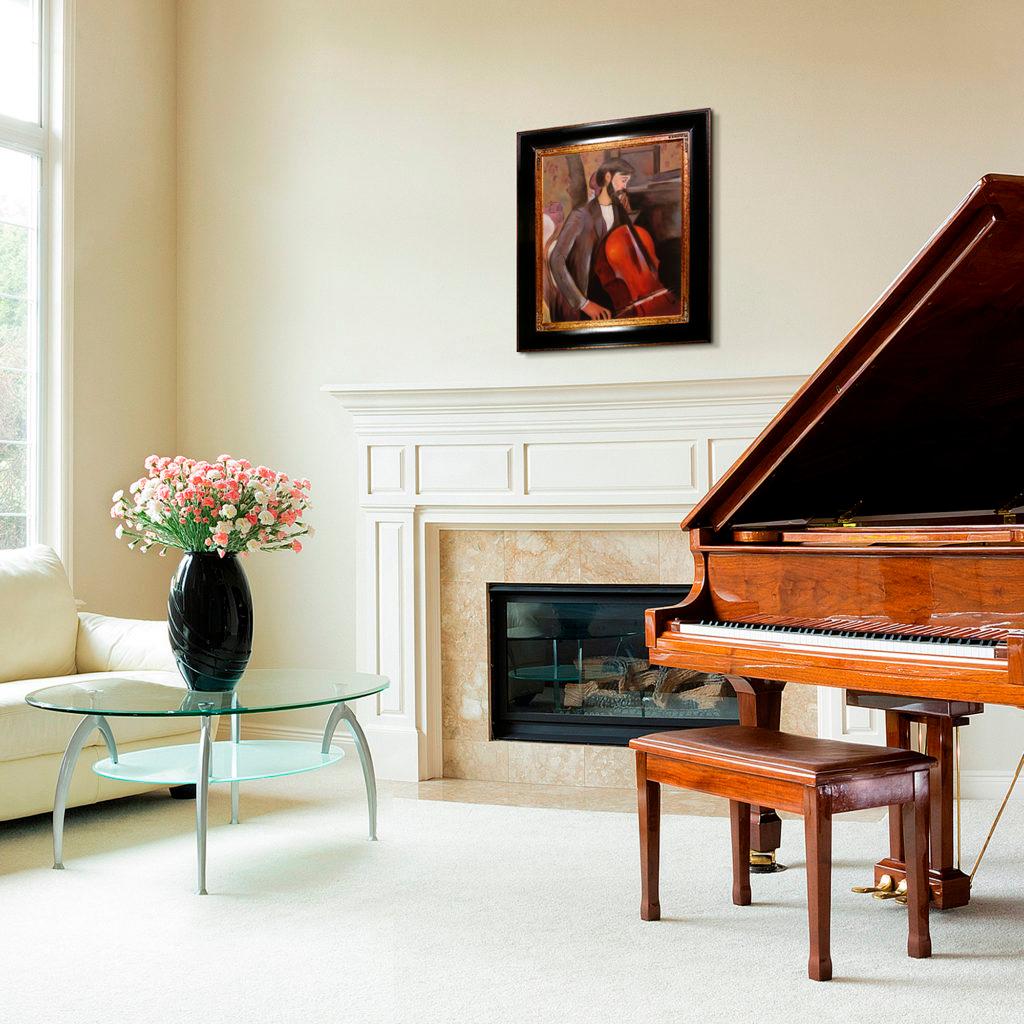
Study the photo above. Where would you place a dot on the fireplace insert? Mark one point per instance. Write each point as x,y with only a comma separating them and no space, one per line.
569,665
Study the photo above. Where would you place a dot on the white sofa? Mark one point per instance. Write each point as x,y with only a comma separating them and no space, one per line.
45,640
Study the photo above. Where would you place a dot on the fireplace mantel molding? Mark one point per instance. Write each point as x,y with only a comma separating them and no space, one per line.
579,456
395,405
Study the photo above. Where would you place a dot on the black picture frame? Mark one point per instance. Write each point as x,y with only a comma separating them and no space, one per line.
538,330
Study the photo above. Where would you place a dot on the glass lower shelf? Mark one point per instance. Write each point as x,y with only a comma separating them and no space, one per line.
230,762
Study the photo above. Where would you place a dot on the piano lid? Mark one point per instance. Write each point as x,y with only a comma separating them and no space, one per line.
920,409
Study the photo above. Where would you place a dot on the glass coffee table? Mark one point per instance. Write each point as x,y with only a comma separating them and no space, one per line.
159,695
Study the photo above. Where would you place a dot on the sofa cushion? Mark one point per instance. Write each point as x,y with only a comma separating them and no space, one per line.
26,731
108,644
38,618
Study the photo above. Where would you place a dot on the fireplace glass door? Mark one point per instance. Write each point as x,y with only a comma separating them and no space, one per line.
569,664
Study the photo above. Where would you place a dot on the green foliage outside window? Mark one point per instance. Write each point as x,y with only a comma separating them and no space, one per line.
14,255
14,259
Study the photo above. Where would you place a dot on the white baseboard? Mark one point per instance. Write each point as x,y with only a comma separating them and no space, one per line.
979,785
266,731
393,750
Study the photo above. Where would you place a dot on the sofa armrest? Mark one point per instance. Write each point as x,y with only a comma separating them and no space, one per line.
108,644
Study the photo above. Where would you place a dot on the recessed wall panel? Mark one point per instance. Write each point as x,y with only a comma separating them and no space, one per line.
476,468
604,468
390,565
387,469
723,452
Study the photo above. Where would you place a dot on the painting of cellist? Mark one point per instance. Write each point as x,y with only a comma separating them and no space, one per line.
613,241
601,257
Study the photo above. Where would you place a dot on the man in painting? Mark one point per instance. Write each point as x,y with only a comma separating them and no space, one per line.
572,258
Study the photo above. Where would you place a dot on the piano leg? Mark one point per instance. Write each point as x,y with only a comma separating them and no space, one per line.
897,734
760,703
950,886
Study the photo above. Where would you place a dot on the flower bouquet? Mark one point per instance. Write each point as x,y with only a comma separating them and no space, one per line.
225,507
212,511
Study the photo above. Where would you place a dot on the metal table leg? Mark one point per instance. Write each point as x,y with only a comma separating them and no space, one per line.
202,801
67,770
342,711
236,738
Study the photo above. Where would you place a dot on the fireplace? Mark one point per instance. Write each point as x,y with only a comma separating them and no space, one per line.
569,665
561,483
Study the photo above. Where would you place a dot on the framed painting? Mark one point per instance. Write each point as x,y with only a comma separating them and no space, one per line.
614,233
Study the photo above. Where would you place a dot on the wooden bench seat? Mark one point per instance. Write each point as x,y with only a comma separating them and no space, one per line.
813,777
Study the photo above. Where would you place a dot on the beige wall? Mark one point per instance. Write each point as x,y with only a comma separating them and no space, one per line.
348,169
124,317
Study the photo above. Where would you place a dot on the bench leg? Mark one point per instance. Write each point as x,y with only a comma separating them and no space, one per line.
818,835
649,810
915,843
739,816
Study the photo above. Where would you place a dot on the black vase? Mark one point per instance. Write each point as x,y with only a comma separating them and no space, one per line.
209,619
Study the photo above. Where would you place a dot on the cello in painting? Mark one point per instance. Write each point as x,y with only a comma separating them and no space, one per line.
627,268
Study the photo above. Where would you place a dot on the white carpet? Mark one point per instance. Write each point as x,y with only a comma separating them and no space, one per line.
470,913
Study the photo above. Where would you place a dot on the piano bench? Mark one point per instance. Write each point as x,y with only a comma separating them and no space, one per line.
812,777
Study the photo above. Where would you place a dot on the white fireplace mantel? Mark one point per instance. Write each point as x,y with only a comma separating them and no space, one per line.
579,456
617,445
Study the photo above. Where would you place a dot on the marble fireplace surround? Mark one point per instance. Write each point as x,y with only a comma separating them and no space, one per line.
470,559
582,479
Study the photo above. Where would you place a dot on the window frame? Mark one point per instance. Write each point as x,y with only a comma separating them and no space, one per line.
50,140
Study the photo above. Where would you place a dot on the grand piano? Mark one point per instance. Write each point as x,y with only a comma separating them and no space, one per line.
872,537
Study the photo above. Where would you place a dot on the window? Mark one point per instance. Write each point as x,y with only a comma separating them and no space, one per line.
23,162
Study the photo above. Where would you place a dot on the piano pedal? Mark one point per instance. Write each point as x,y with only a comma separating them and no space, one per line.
885,884
764,863
899,891
885,891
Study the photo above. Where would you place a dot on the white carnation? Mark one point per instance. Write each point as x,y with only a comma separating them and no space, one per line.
229,511
266,518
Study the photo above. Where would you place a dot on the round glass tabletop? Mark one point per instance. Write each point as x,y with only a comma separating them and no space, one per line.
150,694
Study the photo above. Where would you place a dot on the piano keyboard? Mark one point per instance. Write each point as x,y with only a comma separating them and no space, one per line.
856,634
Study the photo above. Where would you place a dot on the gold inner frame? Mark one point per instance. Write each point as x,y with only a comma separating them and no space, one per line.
625,142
